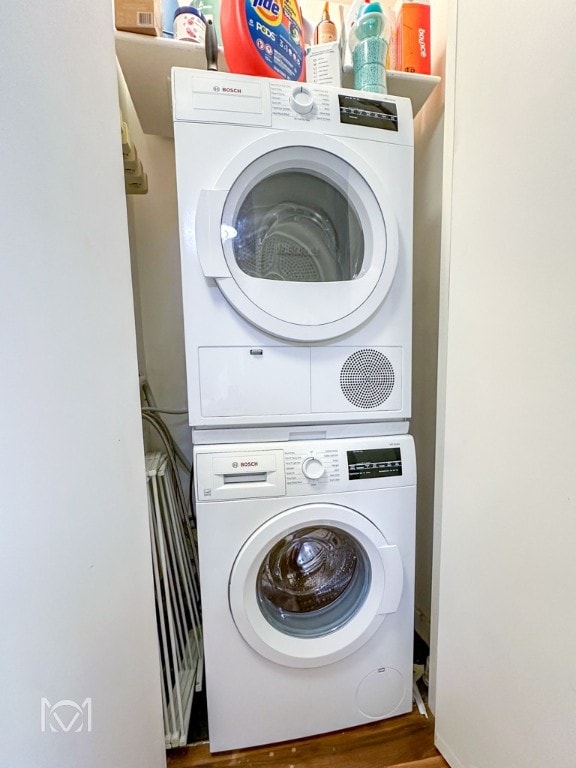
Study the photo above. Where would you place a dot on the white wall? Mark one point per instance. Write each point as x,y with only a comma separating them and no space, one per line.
75,578
428,161
155,249
506,670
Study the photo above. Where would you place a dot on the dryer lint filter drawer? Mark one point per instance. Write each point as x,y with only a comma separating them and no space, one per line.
254,381
356,379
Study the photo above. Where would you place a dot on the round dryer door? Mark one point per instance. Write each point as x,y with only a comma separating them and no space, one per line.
313,584
300,238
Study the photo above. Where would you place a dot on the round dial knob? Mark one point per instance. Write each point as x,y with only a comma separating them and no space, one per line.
312,468
301,100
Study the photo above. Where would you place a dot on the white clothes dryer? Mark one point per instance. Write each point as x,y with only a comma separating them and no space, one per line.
307,581
295,210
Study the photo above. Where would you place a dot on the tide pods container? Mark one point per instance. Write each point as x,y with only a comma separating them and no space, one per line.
264,38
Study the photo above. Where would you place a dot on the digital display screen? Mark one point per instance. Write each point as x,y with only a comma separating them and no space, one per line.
372,113
374,462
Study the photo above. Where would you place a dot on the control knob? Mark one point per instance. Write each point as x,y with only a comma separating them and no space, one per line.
312,468
302,100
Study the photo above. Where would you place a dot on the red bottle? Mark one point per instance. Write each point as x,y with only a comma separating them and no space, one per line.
263,37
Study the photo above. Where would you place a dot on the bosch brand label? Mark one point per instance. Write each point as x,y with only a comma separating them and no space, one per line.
226,89
248,463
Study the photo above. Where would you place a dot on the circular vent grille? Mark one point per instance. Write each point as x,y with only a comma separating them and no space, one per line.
367,378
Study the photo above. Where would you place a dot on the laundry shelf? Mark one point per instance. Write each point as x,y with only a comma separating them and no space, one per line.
147,62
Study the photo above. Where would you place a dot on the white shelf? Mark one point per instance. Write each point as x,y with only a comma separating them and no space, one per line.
147,62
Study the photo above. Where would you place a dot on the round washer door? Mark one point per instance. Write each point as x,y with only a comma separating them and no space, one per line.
313,584
300,236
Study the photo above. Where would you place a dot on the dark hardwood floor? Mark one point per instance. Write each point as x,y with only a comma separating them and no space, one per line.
401,742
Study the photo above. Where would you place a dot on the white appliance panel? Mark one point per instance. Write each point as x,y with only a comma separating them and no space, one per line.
211,97
244,381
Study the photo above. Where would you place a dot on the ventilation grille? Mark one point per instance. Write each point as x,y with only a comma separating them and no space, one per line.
367,378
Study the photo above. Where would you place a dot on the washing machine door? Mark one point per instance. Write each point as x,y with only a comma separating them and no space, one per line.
313,584
300,237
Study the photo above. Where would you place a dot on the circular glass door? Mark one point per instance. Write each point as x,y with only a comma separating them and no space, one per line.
313,581
296,226
313,584
307,236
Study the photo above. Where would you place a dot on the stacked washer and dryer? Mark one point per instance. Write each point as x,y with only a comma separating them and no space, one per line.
295,210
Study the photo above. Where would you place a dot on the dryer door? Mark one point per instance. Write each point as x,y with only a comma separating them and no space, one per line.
313,584
300,237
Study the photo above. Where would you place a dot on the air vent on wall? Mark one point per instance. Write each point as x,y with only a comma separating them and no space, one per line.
367,378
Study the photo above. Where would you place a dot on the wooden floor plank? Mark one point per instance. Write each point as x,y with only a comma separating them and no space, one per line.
400,742
428,762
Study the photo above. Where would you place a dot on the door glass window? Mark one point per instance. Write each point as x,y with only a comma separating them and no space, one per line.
297,225
313,581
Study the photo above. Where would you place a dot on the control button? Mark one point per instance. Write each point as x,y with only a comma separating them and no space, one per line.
312,468
301,100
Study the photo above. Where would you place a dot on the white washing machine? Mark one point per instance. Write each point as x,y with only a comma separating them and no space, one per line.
295,208
306,573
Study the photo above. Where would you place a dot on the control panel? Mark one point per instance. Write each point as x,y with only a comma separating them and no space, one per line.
302,102
221,98
303,468
306,466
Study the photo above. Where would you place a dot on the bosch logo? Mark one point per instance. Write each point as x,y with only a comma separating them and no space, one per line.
217,89
235,464
248,463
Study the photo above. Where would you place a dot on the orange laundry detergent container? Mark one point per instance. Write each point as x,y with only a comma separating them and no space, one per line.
263,37
413,38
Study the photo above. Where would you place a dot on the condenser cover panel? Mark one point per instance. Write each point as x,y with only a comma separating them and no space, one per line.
245,381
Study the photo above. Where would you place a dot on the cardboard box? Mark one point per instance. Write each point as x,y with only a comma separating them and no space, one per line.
141,16
413,38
